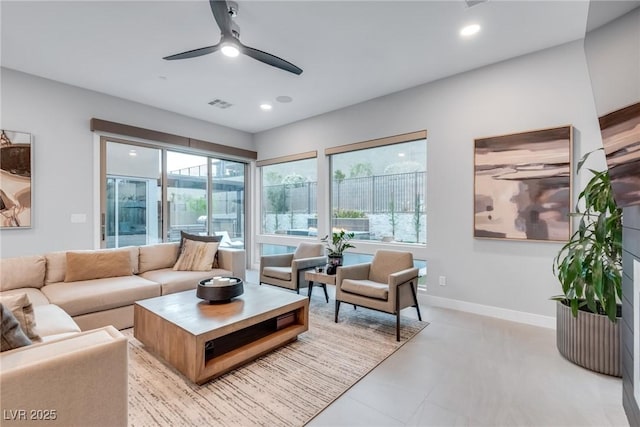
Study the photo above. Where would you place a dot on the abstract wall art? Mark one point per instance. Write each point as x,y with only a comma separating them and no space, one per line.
620,131
16,180
522,185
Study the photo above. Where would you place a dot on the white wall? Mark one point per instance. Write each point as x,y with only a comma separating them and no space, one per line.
546,89
65,168
613,56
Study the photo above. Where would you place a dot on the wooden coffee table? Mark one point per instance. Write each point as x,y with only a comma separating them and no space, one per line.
203,340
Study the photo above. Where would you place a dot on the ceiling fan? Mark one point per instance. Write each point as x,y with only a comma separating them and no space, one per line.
230,44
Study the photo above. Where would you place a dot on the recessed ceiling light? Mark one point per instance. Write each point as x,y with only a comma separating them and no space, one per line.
133,153
266,107
400,154
469,30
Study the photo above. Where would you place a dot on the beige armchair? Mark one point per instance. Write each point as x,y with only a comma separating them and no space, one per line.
388,283
287,270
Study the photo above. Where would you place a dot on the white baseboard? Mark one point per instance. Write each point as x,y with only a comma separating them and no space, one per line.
487,310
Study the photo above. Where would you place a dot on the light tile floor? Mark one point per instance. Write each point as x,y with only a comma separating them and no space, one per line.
470,370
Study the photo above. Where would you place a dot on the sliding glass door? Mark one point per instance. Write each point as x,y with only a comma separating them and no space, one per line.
132,215
151,194
186,194
228,201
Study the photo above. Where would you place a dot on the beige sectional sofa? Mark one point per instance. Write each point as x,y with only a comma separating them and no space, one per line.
83,375
107,301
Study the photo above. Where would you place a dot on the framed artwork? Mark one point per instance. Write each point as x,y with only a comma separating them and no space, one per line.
522,185
621,139
16,180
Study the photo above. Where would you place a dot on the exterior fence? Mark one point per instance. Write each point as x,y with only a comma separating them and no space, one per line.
402,192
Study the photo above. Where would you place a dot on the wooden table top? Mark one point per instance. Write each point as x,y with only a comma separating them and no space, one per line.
197,316
329,279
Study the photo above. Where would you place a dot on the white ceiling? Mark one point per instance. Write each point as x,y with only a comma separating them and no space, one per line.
350,51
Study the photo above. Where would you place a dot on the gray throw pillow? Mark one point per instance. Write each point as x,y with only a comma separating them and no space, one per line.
11,335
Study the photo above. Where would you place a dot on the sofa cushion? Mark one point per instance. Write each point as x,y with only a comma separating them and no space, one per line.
56,267
158,256
57,262
35,295
196,256
22,309
282,273
53,322
177,281
11,334
89,296
366,288
22,272
97,265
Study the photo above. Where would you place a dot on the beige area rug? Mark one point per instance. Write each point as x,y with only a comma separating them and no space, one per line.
286,387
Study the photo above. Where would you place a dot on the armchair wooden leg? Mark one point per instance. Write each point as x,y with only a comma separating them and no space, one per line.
337,310
398,315
415,300
310,289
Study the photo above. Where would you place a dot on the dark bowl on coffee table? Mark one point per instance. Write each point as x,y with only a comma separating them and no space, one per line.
220,294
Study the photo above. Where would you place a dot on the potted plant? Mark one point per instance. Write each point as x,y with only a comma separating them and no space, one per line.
338,243
589,269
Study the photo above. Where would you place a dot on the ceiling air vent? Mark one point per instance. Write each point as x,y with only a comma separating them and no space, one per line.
220,103
471,3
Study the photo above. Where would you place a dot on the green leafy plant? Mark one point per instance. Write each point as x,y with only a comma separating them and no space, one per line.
393,218
416,217
339,242
348,213
589,265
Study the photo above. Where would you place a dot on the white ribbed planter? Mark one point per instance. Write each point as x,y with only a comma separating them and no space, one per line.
589,340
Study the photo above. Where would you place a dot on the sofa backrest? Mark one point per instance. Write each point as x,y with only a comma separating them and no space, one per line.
57,263
160,255
22,272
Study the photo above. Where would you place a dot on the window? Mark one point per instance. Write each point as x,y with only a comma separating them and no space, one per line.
378,189
289,196
204,195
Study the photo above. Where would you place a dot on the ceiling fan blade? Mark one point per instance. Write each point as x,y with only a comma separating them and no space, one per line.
193,53
220,11
272,60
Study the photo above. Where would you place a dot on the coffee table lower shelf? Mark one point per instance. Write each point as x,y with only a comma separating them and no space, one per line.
204,341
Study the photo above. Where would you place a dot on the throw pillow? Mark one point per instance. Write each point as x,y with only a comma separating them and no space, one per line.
97,265
196,256
22,310
186,236
11,335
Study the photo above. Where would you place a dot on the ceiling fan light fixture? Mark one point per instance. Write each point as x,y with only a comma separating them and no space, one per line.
230,49
469,30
